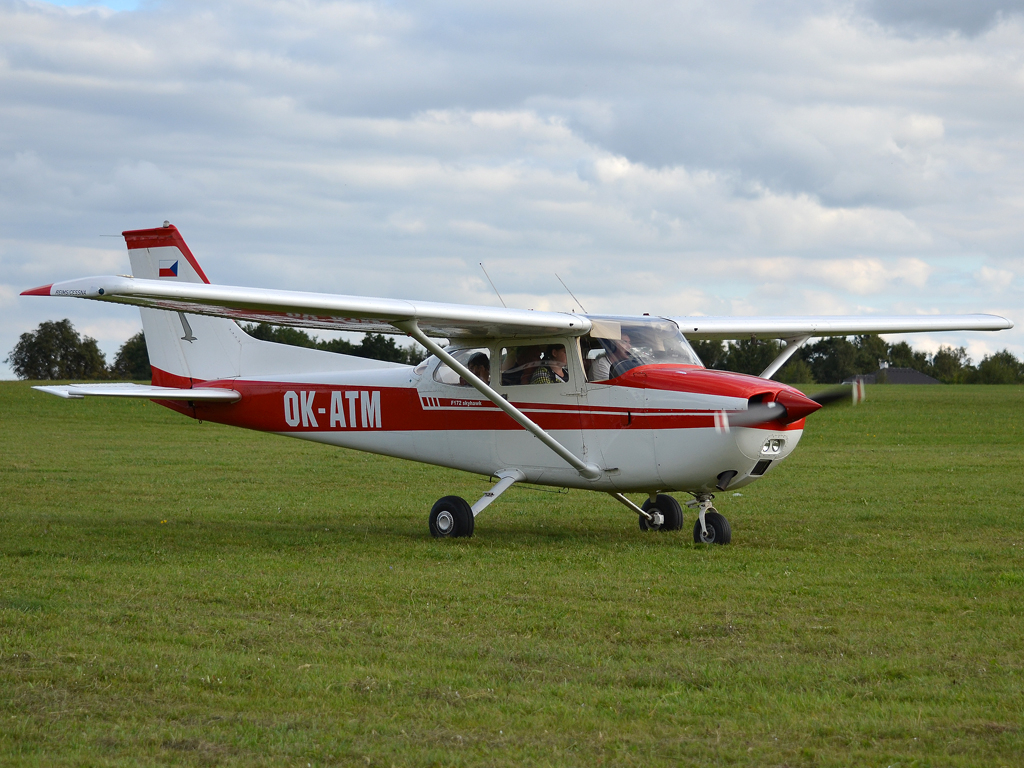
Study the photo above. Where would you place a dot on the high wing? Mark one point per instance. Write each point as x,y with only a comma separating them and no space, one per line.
320,310
380,315
724,328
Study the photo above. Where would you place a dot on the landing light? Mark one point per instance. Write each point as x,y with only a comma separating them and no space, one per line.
773,445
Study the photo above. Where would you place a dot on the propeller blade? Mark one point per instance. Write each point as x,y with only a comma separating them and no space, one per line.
854,393
787,408
757,413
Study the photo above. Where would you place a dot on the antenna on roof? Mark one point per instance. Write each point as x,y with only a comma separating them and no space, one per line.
572,294
493,286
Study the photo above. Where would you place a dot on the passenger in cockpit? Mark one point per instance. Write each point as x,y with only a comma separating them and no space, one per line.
553,370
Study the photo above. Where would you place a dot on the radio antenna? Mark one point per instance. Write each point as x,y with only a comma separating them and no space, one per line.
572,294
493,286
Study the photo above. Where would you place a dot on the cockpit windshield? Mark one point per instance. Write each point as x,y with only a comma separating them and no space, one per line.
616,344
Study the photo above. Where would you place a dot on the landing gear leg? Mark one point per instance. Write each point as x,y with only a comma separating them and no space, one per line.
659,512
653,518
452,517
711,527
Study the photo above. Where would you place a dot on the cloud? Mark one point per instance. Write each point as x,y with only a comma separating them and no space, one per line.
924,16
660,157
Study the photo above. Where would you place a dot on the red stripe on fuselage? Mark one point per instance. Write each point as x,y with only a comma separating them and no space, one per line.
263,408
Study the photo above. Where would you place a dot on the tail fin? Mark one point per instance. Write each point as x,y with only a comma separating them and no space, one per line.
181,347
185,348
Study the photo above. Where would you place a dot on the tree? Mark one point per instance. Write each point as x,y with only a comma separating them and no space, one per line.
338,346
711,353
832,360
751,355
56,351
280,334
1000,368
132,361
951,366
902,355
795,371
872,352
375,346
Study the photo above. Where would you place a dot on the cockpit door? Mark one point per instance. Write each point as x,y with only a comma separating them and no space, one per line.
545,381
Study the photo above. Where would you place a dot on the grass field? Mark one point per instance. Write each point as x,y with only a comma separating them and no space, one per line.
183,593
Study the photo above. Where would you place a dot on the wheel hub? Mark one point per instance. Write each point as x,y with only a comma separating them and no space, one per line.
445,521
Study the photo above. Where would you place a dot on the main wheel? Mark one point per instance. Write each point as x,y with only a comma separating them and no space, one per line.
719,531
451,517
670,510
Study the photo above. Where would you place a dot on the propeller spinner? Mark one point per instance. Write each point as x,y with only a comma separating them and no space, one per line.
789,407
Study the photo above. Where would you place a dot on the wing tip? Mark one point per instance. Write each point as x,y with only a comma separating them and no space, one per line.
43,290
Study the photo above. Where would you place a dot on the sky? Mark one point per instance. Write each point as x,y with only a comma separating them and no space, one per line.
718,158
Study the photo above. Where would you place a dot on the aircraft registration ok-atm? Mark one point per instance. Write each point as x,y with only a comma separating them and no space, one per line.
612,404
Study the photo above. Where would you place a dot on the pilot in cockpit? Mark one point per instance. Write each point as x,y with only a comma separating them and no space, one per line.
480,366
602,368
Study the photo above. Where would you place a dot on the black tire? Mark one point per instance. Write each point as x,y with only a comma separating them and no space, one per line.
719,531
670,510
451,517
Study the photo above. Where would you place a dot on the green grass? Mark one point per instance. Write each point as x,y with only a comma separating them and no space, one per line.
183,593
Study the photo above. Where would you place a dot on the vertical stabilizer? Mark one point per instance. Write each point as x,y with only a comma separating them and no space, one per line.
182,347
185,348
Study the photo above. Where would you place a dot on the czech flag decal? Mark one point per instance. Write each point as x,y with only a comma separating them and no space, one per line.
168,268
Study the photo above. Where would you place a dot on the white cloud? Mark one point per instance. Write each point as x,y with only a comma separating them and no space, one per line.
666,157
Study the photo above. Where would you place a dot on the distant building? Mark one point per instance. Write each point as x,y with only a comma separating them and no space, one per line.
896,376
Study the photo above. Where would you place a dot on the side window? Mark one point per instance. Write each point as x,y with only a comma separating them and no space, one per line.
478,360
608,358
534,364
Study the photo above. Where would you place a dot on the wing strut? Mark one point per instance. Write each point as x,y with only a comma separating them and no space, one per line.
589,471
792,345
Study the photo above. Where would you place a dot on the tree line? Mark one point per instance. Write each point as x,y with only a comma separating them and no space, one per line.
835,359
376,346
55,350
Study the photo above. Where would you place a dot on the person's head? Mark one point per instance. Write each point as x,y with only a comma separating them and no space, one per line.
480,366
622,348
556,353
529,354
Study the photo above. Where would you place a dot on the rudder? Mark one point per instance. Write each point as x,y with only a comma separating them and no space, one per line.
182,348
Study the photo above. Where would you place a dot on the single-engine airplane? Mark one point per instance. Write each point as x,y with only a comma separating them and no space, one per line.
618,404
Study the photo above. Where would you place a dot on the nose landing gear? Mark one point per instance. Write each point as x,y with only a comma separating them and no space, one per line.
711,527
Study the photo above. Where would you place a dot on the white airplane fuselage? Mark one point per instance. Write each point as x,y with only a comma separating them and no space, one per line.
651,429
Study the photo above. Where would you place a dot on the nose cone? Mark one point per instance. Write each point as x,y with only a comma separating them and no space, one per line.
797,405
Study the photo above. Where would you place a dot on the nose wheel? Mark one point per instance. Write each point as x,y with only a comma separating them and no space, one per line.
716,528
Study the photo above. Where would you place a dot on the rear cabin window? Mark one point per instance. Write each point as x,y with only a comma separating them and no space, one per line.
534,364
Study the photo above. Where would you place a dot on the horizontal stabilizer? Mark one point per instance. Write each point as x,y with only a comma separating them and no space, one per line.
203,394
